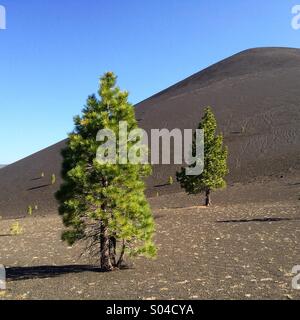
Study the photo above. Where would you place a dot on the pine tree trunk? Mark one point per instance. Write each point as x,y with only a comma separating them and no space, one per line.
113,250
105,243
119,264
208,198
105,261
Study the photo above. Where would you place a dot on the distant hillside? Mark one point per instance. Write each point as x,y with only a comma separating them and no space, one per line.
256,98
2,166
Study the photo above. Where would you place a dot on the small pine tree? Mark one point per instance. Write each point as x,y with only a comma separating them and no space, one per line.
105,204
215,161
53,179
16,229
29,210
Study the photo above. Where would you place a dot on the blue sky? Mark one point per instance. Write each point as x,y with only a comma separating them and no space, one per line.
53,52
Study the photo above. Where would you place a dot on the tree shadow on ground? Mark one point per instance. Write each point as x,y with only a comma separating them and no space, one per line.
259,220
162,185
294,184
42,272
36,179
159,216
39,187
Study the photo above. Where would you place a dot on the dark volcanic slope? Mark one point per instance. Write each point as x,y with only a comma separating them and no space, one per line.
22,185
256,98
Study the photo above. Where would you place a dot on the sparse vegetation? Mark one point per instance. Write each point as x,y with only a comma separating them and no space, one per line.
171,181
53,179
29,210
16,229
215,161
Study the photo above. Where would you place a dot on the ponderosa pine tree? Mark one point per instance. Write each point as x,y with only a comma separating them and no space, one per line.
215,161
105,204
